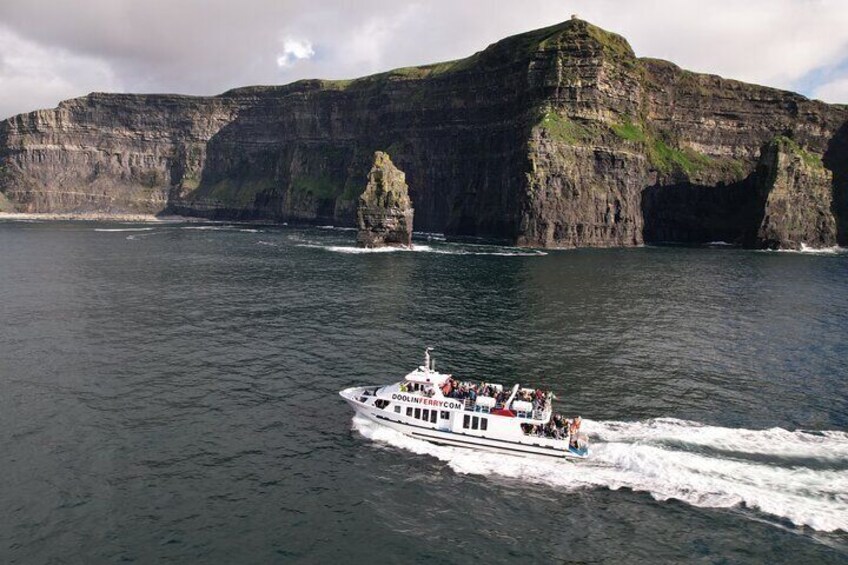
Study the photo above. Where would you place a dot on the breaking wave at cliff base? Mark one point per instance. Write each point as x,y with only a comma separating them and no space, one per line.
800,476
441,250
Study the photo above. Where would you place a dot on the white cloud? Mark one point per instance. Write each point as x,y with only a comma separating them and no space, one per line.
835,92
772,42
294,50
33,76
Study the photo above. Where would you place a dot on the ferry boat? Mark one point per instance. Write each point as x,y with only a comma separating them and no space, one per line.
437,408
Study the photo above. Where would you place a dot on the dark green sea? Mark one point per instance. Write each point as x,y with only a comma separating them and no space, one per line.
168,392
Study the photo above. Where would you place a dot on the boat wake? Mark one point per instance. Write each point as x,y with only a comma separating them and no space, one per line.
798,476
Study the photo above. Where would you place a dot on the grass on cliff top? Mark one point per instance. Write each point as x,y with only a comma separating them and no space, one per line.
512,49
613,44
788,144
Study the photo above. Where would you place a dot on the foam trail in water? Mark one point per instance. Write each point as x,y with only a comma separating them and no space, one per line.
805,496
121,229
829,445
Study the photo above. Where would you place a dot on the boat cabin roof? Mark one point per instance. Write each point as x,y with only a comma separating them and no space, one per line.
422,375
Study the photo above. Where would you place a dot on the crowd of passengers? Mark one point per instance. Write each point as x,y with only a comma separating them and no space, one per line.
465,390
462,390
556,428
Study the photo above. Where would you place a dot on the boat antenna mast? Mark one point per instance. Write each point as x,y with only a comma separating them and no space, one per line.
427,361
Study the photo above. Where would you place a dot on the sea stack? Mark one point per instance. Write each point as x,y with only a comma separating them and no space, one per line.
384,213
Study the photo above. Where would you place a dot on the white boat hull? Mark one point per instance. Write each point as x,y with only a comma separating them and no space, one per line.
437,436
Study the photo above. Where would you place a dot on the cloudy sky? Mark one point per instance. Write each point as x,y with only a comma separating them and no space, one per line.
53,49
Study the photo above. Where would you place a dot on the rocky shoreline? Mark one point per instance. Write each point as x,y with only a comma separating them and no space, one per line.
96,217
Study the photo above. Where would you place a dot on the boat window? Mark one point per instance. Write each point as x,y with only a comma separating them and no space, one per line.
425,414
433,417
397,409
418,413
380,403
474,422
484,424
445,415
465,421
409,410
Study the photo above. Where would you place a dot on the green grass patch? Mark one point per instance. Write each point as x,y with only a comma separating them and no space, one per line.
666,158
813,160
613,44
629,132
564,129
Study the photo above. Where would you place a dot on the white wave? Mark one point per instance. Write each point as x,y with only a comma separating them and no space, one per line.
719,244
208,228
778,442
822,250
420,249
807,250
268,243
431,236
807,497
339,228
122,229
360,250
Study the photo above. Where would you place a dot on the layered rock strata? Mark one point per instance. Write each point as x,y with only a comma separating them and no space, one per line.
384,213
559,137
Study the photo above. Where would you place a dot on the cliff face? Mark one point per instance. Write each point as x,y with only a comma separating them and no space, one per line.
557,137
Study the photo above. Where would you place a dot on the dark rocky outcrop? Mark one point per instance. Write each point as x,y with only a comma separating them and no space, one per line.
384,213
556,137
795,194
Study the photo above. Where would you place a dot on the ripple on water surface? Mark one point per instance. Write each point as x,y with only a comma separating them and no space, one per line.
173,396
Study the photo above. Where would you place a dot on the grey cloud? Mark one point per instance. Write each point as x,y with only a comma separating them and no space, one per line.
206,47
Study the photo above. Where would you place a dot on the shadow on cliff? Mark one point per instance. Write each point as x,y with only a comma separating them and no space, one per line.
836,160
695,214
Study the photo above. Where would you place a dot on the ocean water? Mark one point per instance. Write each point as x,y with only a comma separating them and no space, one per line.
169,392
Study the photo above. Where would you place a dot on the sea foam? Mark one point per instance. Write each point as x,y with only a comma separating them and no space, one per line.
121,229
440,250
657,457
